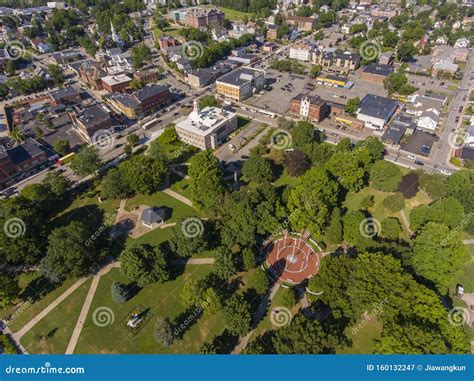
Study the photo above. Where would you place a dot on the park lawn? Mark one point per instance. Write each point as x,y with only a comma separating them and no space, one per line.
421,198
38,289
233,15
160,300
51,335
363,341
266,324
285,179
88,209
154,237
466,277
161,199
180,185
378,211
168,32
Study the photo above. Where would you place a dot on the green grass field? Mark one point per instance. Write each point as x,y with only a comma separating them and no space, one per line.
234,15
363,340
53,332
159,300
44,292
161,199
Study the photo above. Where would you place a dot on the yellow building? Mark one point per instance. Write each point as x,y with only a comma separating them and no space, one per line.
241,83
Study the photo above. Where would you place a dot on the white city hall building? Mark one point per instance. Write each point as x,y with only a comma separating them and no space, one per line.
207,128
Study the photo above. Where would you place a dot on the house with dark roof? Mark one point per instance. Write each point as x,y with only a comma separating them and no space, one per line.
376,73
397,129
68,96
375,111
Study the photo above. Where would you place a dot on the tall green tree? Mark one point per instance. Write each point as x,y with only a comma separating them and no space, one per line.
205,176
144,265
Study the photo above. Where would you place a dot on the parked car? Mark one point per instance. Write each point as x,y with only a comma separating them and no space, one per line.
231,147
457,119
445,172
418,162
411,156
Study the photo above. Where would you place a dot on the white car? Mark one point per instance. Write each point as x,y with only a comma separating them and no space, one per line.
231,147
445,172
411,156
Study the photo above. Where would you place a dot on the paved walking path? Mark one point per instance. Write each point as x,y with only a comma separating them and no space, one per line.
178,197
193,261
267,299
6,331
18,335
468,241
406,222
86,306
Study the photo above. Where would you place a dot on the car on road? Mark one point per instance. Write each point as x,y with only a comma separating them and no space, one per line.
445,172
411,156
456,119
231,147
460,108
418,162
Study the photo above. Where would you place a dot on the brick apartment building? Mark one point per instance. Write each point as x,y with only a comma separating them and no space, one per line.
201,18
303,24
309,107
91,73
67,96
116,83
90,120
18,159
142,102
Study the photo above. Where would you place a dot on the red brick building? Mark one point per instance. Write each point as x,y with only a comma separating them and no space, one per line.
90,120
309,107
304,24
199,18
91,74
116,83
167,41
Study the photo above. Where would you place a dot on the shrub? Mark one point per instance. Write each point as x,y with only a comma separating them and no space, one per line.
394,202
119,292
289,297
164,332
391,228
367,202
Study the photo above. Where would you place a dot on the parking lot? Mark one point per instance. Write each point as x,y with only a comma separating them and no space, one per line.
287,86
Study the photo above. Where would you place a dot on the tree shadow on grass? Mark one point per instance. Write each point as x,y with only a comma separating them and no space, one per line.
186,320
90,215
38,288
225,342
